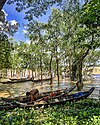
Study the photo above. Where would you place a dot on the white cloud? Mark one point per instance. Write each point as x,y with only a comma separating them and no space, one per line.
25,31
1,23
17,32
5,14
28,41
13,22
25,27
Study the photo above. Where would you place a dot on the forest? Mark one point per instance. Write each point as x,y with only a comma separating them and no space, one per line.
67,45
68,42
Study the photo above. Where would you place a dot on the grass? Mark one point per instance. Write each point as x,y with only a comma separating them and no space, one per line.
84,112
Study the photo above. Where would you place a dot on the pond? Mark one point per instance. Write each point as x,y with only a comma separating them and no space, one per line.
19,89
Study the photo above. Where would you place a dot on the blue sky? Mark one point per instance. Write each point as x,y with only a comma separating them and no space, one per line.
12,14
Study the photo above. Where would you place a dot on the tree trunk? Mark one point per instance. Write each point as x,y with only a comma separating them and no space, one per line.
11,73
77,69
41,69
2,2
32,75
80,72
57,63
29,74
51,70
74,69
24,72
35,73
69,73
18,74
6,72
79,75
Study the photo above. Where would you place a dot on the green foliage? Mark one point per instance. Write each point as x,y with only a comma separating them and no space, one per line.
90,13
65,37
84,112
35,7
62,38
20,55
5,49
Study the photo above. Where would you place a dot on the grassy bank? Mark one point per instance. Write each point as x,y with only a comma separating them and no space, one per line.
84,112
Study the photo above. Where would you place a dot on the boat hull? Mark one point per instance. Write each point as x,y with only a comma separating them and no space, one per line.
25,102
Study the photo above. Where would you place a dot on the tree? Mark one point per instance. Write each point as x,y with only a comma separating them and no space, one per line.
89,14
36,35
5,52
54,37
7,27
35,7
39,7
2,2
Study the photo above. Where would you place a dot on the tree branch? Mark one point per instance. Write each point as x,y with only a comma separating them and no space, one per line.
2,2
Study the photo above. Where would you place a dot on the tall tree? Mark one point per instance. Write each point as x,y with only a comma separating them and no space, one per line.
55,36
5,52
36,35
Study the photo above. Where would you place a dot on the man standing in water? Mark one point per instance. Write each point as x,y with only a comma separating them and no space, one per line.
33,94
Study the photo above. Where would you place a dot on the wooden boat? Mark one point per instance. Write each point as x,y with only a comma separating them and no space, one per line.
12,102
8,106
24,80
41,95
64,98
17,81
57,100
61,99
13,79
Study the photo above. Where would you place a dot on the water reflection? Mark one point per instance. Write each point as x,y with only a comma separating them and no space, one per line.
19,89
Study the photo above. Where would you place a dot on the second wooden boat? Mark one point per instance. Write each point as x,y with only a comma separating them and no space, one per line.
12,81
17,81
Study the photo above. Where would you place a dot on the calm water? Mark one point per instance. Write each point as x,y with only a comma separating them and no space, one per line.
19,89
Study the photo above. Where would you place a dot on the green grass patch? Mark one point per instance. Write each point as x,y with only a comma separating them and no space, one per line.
84,112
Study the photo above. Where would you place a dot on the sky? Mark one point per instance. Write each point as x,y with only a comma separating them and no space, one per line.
14,16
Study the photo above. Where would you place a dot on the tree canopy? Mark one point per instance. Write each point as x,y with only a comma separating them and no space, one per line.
64,42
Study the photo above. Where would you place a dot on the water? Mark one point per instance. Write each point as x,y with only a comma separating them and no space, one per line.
19,89
96,83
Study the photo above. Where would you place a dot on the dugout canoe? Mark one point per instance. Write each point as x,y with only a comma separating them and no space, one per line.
12,81
17,81
12,102
41,95
58,100
63,99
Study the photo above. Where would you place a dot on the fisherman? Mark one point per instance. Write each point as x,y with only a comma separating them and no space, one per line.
33,94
